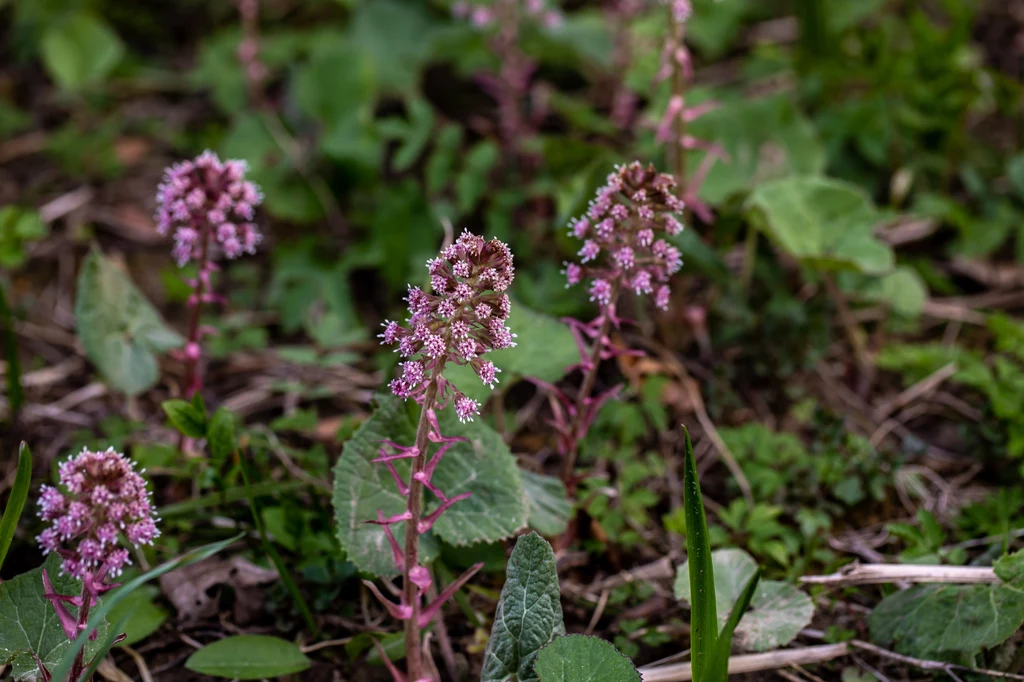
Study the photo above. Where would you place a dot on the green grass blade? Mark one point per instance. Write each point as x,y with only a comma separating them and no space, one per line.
15,394
718,668
282,569
104,649
16,502
703,613
62,670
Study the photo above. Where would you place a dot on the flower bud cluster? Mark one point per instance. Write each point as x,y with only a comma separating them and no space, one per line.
621,234
461,319
208,194
103,508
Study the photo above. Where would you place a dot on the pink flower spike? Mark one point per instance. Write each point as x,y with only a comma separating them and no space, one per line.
397,611
428,521
67,622
431,609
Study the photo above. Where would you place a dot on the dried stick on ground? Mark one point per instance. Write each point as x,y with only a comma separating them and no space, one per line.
870,574
681,672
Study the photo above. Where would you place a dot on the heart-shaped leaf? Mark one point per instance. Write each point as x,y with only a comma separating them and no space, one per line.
823,222
778,611
484,466
121,331
28,624
578,658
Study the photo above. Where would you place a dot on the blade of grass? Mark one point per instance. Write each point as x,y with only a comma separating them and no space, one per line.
16,502
718,667
703,613
15,394
104,649
275,557
230,496
63,669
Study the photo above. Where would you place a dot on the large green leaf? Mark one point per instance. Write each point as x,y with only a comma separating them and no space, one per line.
529,613
578,658
823,222
248,657
483,466
119,328
948,622
396,37
778,611
766,139
29,625
142,615
550,508
80,50
544,349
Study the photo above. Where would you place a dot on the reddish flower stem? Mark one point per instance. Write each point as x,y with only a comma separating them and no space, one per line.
83,619
583,397
193,347
413,652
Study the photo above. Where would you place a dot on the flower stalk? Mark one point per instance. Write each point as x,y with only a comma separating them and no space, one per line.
209,206
461,319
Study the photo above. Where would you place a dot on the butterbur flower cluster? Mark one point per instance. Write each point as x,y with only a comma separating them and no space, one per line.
101,509
622,232
209,207
104,503
458,321
207,202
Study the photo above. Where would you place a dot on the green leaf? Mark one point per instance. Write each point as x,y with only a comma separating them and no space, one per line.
185,417
823,222
120,330
947,622
703,614
15,393
143,615
474,179
484,466
1015,172
18,228
904,290
578,658
544,349
110,602
1010,568
81,50
718,667
220,435
29,625
529,613
396,38
248,657
16,501
778,611
549,505
418,133
766,139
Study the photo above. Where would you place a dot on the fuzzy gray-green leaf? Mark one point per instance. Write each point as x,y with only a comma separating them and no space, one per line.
578,658
483,466
529,613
